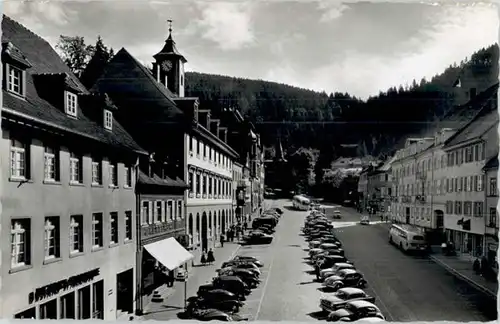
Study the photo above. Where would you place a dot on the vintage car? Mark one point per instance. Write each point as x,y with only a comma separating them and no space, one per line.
344,278
181,274
246,276
320,257
337,300
212,314
365,220
330,246
355,310
255,272
314,244
337,214
246,265
315,251
218,299
252,259
258,237
233,284
325,273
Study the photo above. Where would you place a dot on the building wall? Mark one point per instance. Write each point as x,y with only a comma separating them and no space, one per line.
36,200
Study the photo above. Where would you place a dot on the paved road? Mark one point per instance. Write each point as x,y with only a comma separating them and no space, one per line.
408,288
287,291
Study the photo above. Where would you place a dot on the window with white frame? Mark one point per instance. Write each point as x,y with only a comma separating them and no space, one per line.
20,232
75,168
108,119
71,100
76,234
128,225
97,230
52,250
128,177
96,172
18,154
158,211
170,211
145,212
113,224
15,81
113,174
51,166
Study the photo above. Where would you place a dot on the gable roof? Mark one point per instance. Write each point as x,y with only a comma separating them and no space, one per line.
481,123
45,62
129,83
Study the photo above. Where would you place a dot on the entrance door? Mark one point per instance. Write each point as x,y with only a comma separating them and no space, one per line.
124,291
407,215
204,230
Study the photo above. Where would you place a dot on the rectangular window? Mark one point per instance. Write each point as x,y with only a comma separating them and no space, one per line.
108,119
190,143
198,147
478,208
68,306
493,217
170,210
15,82
71,103
198,184
128,225
75,168
145,212
20,237
493,187
52,236
76,234
113,226
18,161
158,211
98,300
179,209
51,164
476,152
96,172
191,182
128,177
113,174
97,230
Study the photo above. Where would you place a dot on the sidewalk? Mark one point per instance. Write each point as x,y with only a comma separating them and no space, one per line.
174,300
463,269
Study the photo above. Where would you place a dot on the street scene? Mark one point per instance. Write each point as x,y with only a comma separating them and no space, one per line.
249,161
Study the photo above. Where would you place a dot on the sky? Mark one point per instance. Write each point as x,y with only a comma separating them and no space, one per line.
324,45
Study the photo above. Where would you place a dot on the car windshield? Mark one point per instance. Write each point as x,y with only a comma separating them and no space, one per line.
341,274
341,294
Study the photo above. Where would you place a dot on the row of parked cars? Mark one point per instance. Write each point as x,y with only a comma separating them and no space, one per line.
222,299
263,227
344,298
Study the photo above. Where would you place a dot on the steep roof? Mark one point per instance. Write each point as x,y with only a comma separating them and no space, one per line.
130,83
482,122
46,63
169,49
492,163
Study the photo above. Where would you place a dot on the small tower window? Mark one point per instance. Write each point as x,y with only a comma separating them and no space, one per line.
108,119
182,80
70,103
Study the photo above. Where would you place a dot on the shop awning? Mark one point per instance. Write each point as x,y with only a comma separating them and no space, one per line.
169,253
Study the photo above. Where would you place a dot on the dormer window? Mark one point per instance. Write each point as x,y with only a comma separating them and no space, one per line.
15,80
108,119
70,103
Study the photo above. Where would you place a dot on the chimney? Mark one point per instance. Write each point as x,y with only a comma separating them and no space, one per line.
214,129
223,134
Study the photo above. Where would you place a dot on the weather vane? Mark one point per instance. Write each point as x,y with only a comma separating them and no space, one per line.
169,21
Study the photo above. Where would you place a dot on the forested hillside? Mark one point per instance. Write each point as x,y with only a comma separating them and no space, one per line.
305,118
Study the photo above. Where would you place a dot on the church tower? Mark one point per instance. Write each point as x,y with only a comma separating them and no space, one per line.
168,67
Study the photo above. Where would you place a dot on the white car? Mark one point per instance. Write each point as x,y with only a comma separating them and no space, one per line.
325,273
365,220
181,275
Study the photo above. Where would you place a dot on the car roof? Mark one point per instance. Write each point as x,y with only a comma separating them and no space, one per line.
362,303
344,264
351,290
348,271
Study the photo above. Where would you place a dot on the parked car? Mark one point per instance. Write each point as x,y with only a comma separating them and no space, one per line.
365,220
254,260
325,273
181,274
218,299
332,302
356,310
328,261
233,284
337,214
258,237
314,244
266,230
344,278
212,314
246,276
255,272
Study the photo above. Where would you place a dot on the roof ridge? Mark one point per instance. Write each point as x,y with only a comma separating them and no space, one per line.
26,28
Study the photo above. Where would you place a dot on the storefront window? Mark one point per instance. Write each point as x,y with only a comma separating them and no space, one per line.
48,310
27,314
68,306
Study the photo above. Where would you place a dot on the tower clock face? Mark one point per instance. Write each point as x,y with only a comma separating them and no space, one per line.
166,65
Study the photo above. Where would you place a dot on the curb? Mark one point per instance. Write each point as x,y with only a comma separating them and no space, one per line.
461,276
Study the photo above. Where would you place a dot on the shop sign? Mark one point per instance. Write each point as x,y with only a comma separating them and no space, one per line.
56,287
154,229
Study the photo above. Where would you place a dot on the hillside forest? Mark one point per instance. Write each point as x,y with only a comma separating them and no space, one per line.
310,125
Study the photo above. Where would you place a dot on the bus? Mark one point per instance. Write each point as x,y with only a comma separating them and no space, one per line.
301,203
407,237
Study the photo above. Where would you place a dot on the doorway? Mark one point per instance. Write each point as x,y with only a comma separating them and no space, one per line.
407,215
204,234
125,291
223,222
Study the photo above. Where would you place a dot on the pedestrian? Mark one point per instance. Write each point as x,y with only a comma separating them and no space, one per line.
245,226
210,257
484,266
476,266
222,240
203,258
